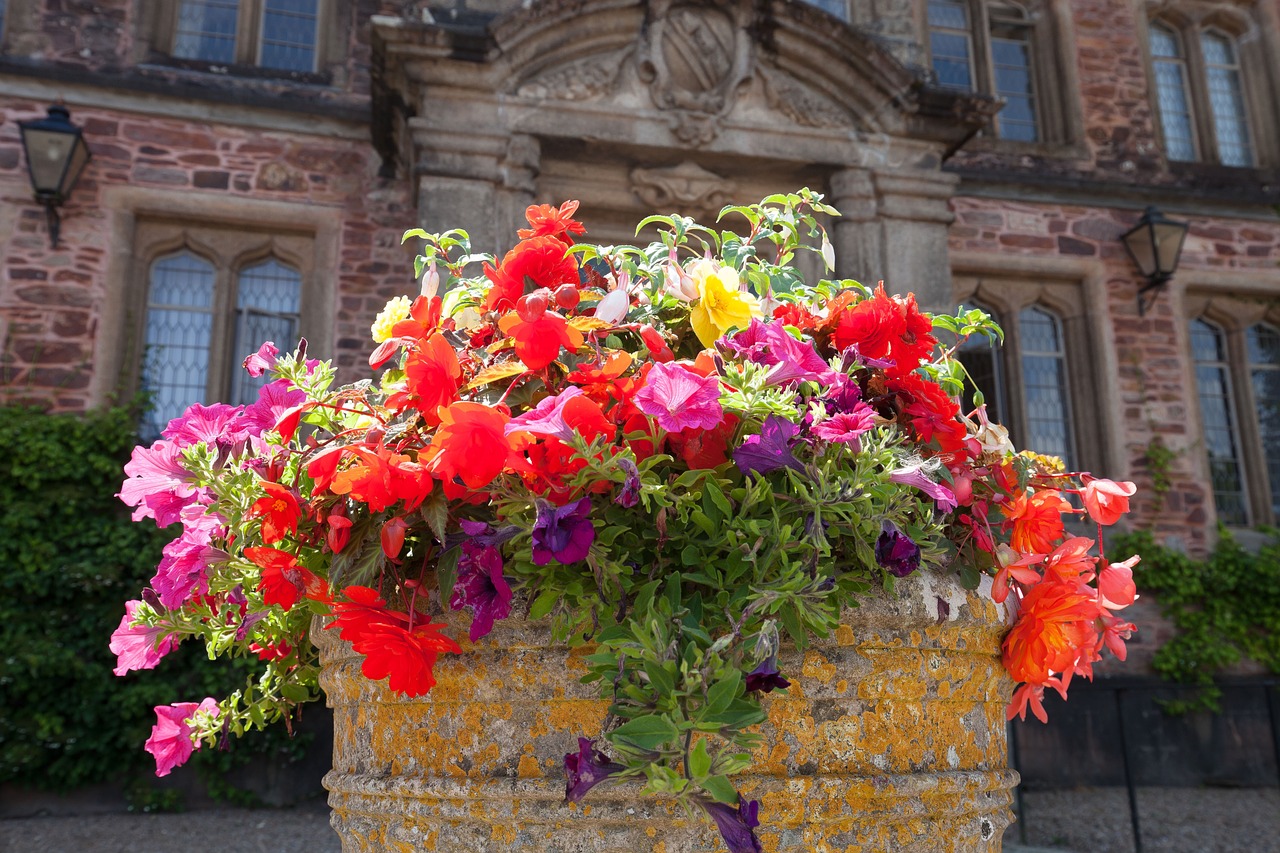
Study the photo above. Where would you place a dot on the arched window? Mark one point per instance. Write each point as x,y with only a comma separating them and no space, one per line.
177,338
836,8
278,34
1218,414
268,295
1200,94
1044,383
1172,95
997,47
1263,345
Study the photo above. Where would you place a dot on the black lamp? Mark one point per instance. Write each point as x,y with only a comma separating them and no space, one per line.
56,155
1155,244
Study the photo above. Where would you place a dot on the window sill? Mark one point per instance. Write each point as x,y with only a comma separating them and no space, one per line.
1016,148
197,69
1216,173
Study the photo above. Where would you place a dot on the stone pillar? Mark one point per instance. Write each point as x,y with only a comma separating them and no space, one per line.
481,182
914,218
857,235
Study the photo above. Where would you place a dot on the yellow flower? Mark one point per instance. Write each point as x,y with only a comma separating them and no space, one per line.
721,306
394,311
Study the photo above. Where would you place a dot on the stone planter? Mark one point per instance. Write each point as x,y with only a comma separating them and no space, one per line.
891,738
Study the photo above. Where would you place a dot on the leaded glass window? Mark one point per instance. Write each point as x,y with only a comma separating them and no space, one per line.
1263,345
1226,100
1011,64
981,359
267,302
950,45
177,338
1172,96
289,35
1217,409
207,30
1044,382
836,8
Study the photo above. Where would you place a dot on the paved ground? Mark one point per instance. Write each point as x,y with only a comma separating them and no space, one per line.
1086,821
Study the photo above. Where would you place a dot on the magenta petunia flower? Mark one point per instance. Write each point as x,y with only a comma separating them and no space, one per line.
481,586
793,360
170,740
274,399
184,568
136,647
547,418
158,484
262,360
218,424
680,398
847,427
564,532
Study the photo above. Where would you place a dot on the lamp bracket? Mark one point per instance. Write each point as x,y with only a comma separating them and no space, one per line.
1152,286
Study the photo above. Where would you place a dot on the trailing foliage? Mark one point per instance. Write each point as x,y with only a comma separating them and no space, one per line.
1226,609
68,556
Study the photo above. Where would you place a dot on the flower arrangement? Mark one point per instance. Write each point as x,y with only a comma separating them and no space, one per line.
683,454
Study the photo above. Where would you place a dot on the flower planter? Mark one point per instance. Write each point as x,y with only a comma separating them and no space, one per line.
892,737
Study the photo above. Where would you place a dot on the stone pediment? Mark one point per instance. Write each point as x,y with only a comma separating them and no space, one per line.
758,77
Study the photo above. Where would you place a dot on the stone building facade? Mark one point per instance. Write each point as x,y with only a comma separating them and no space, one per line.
989,152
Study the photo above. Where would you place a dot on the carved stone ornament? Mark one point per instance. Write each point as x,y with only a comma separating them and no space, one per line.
583,80
695,58
802,104
688,188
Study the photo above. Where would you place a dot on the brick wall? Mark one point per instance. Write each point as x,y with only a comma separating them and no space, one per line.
52,300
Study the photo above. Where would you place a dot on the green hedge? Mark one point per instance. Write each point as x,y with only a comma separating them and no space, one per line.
1226,608
69,559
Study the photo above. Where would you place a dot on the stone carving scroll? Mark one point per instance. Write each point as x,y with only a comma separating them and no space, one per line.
688,188
802,104
583,80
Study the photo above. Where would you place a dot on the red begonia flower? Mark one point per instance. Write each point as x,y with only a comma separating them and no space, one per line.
431,378
470,443
541,261
1036,521
279,511
538,343
283,580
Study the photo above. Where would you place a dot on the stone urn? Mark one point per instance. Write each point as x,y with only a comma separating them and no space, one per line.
892,737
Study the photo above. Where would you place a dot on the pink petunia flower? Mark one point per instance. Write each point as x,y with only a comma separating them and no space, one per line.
184,568
547,418
218,424
157,483
262,360
680,398
274,399
170,742
914,476
135,647
847,427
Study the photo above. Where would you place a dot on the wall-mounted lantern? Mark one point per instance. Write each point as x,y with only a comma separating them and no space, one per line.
56,155
1155,244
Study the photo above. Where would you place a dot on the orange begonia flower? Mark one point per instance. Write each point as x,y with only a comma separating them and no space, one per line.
548,221
279,511
380,478
1036,520
470,443
1056,628
1106,500
431,378
538,343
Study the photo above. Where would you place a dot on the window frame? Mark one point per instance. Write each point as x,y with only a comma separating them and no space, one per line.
1189,22
230,248
248,48
1234,317
1005,296
1059,124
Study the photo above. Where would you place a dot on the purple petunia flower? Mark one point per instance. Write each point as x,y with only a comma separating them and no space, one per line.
914,476
895,552
483,534
547,418
564,532
482,587
843,394
585,769
766,677
736,825
771,449
629,496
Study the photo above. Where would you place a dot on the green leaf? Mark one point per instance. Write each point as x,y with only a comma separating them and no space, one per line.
721,789
435,511
700,760
723,692
647,733
544,603
970,577
447,572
